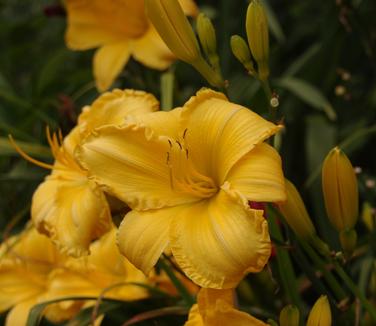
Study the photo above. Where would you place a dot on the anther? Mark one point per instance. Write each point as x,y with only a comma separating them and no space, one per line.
181,147
185,132
169,142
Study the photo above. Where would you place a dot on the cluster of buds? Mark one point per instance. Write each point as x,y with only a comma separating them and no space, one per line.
174,28
257,49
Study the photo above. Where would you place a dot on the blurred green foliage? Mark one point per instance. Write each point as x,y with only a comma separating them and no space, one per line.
323,68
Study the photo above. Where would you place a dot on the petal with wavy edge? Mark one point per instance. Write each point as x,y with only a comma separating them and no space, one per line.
131,163
19,314
217,241
258,175
79,214
219,132
114,107
109,61
151,50
143,236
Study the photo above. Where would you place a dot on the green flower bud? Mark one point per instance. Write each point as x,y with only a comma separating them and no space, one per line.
258,37
241,51
289,316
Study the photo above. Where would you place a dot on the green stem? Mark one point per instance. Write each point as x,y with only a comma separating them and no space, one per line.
167,90
355,290
212,77
285,268
339,293
178,285
269,95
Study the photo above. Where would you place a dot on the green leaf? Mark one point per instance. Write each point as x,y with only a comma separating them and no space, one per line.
301,61
308,93
274,25
32,149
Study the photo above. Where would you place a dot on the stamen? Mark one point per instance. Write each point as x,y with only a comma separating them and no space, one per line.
29,158
184,133
181,147
169,141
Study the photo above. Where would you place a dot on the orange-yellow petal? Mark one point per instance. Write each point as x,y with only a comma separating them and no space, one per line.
19,314
258,175
216,307
95,22
109,61
151,51
113,108
219,132
72,212
131,163
143,236
219,240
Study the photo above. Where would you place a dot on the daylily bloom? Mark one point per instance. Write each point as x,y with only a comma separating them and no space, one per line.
25,267
216,307
67,206
120,29
188,175
33,271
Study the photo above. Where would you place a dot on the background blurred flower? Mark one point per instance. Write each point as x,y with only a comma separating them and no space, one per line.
120,29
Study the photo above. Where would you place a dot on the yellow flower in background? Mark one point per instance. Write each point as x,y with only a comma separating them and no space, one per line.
26,263
33,271
119,29
188,175
320,314
105,268
216,307
67,206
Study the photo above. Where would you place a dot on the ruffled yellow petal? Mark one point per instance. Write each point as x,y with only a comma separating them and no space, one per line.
19,314
258,175
143,236
216,307
112,108
219,133
92,23
151,51
109,61
78,214
131,163
219,240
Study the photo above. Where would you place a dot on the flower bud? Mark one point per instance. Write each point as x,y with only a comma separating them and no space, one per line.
320,314
258,36
340,190
206,34
174,28
240,50
289,316
295,213
368,216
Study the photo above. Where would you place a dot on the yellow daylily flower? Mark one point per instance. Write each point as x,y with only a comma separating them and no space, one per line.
188,175
33,271
216,307
26,263
120,29
67,206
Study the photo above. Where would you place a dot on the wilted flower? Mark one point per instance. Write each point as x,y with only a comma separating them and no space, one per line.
188,175
216,307
120,29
